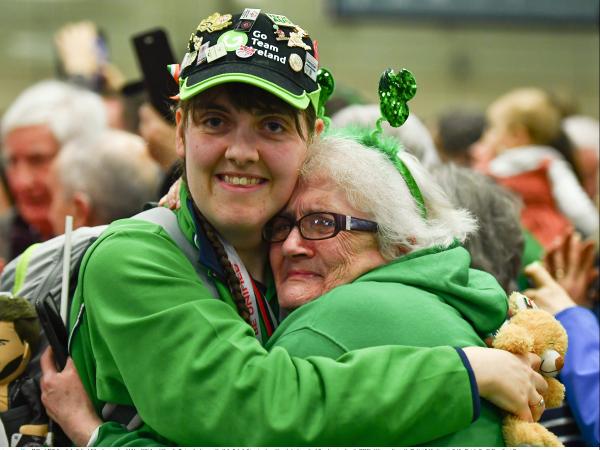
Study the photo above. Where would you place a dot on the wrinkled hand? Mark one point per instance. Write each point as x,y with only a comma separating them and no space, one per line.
172,200
159,135
571,263
66,400
509,381
547,293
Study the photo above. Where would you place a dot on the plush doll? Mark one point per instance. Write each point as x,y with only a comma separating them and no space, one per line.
530,329
21,412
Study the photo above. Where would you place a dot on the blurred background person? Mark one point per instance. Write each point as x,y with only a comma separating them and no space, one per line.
159,135
37,124
413,134
5,204
583,133
522,125
83,59
456,132
497,245
112,184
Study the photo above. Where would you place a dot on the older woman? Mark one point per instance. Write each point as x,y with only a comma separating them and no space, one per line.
353,239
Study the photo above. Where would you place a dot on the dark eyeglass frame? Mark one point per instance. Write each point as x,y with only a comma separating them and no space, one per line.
342,223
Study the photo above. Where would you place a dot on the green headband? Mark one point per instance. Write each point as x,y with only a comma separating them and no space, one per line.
395,90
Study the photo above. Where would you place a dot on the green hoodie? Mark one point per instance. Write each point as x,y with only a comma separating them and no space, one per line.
427,298
147,332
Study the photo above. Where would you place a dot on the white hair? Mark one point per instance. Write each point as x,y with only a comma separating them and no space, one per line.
114,170
374,186
583,132
70,112
413,135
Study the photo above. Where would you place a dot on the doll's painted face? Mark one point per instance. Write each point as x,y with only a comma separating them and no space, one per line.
12,349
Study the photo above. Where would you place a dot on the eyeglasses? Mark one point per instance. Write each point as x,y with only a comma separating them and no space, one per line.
315,226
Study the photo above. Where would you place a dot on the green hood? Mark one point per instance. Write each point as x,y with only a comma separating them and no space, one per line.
476,295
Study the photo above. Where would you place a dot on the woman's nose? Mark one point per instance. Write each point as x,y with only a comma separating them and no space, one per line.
242,151
295,245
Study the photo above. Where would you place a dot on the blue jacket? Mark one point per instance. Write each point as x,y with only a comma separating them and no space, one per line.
581,373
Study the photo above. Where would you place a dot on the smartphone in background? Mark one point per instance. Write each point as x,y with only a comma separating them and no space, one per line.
55,331
154,54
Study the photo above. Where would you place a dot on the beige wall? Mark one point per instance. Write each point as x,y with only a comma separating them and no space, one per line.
452,64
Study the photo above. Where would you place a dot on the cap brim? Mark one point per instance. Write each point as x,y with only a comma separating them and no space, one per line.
269,80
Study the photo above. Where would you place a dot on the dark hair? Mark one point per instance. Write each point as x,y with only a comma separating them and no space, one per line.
24,317
457,130
233,282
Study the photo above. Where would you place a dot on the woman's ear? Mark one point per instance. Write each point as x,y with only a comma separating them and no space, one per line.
179,133
82,211
319,127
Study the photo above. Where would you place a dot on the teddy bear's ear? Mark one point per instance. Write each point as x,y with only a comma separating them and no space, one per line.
519,302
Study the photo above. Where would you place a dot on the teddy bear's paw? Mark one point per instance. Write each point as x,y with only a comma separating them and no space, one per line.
555,394
518,433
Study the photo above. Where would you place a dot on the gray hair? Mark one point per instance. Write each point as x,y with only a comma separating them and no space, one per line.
115,171
70,112
374,186
413,135
497,246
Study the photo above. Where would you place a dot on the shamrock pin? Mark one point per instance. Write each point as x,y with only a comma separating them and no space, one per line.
395,90
327,84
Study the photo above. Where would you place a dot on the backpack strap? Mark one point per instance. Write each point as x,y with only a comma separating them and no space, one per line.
21,269
168,220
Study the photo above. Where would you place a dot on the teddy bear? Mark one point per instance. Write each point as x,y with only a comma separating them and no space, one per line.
530,329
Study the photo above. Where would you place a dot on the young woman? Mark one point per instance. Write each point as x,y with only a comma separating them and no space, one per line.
149,332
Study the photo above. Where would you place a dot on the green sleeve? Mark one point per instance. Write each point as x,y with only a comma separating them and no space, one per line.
198,376
112,434
305,342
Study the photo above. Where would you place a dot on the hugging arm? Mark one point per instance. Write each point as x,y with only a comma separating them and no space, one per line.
215,378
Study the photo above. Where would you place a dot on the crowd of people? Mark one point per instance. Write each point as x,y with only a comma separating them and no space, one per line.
350,271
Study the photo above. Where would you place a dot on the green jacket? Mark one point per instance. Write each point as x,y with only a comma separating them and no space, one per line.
428,298
147,332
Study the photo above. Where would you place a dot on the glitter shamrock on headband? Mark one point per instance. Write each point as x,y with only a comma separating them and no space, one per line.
395,90
327,85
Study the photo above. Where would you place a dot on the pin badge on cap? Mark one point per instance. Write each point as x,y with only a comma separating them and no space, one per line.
203,52
295,40
232,40
296,62
216,52
196,42
281,21
247,19
250,14
188,58
245,52
214,22
279,34
311,66
300,31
